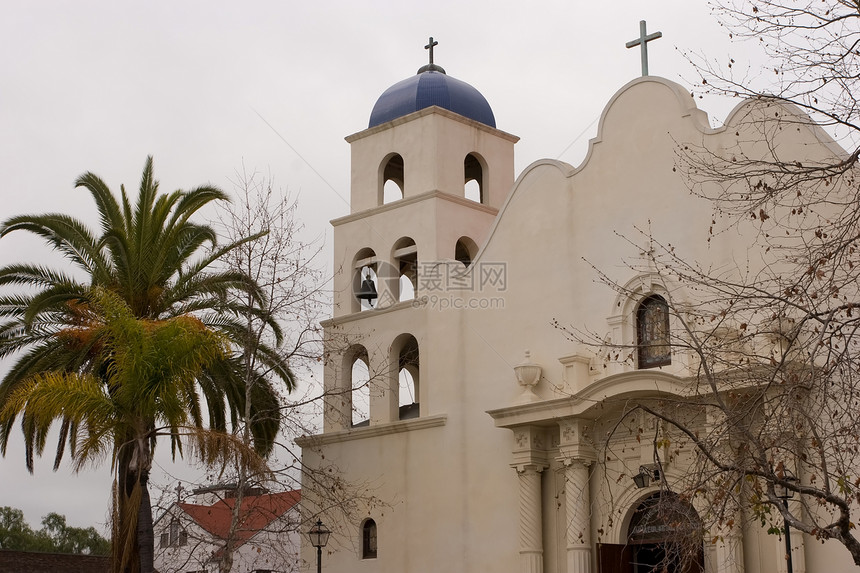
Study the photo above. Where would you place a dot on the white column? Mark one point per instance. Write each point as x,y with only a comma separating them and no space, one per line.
578,508
337,412
730,549
531,528
383,388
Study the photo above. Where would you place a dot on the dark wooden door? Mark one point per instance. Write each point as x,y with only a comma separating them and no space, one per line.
612,558
648,557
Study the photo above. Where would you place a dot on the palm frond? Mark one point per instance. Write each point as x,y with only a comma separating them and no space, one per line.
108,208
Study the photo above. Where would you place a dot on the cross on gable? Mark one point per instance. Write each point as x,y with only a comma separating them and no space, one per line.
642,41
430,47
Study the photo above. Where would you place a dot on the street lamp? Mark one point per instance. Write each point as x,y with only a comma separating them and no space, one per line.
786,494
319,537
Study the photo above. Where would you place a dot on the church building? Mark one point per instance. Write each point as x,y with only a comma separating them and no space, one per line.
494,440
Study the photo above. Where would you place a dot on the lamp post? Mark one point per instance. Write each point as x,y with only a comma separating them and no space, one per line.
319,537
786,494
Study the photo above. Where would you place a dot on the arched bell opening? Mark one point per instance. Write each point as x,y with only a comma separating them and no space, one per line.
404,255
465,251
405,358
406,379
474,168
391,191
392,186
356,366
365,283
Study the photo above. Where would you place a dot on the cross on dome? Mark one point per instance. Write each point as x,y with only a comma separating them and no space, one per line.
431,67
430,47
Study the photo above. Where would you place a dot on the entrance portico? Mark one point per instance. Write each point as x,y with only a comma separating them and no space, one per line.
605,524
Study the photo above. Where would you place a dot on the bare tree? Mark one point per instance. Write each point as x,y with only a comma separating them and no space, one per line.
811,51
772,343
285,265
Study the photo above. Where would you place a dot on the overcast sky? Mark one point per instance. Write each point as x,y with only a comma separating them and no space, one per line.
206,87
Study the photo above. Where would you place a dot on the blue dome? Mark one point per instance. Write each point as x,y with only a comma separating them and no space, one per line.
429,88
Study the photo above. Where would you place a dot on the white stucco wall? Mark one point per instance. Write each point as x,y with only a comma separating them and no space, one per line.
451,496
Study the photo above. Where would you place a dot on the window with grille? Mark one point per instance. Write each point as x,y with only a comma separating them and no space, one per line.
652,333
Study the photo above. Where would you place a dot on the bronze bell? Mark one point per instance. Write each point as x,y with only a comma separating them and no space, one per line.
367,292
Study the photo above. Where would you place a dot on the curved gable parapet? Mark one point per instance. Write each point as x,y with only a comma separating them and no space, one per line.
681,96
675,94
754,110
567,170
644,121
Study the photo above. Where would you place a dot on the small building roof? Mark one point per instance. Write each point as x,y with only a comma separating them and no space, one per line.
256,513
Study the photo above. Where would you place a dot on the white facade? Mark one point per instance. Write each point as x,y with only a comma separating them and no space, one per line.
494,475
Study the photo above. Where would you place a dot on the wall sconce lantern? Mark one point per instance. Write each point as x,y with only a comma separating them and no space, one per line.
648,474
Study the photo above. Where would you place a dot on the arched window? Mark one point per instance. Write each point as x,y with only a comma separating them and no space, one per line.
392,187
652,332
368,539
473,171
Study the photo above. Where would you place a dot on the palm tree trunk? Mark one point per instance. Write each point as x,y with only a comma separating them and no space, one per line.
133,536
124,544
145,533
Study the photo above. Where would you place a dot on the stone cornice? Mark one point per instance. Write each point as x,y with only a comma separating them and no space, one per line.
431,110
372,431
436,194
404,304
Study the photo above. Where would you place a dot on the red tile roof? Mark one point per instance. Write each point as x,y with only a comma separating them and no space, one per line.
255,514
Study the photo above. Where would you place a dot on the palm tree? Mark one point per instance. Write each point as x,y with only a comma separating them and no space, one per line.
153,258
143,385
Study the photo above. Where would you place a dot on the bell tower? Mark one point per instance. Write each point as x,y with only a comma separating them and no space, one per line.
432,140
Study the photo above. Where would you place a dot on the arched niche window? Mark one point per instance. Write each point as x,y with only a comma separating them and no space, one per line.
465,250
473,170
392,185
405,257
652,332
364,277
368,539
405,351
359,385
